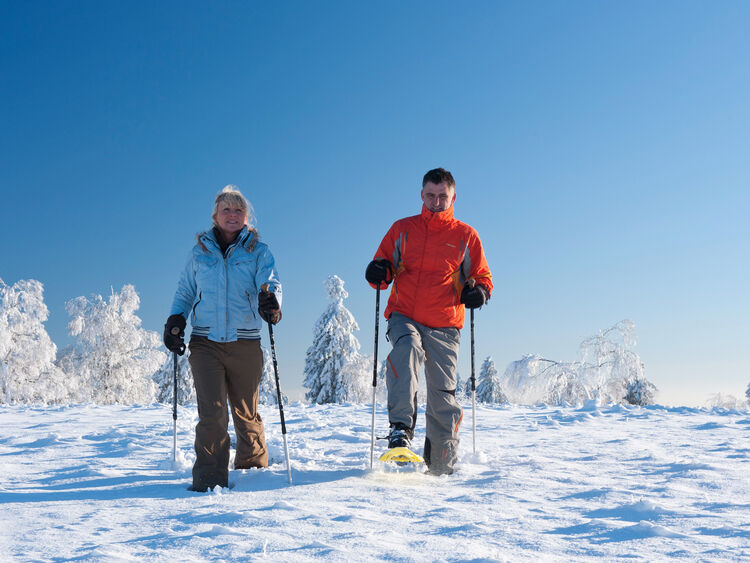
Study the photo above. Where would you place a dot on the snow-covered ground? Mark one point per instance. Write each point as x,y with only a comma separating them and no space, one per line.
97,483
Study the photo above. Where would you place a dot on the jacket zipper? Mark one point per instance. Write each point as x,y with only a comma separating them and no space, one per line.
421,264
226,292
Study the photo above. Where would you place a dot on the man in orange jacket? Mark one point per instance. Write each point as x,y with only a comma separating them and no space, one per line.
437,267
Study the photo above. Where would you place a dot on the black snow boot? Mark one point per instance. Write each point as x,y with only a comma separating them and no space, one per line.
400,436
207,482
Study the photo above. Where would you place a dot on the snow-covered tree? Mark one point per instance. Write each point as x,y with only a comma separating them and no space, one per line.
488,389
114,356
534,379
164,380
356,376
607,364
268,394
27,354
608,361
328,378
722,401
565,383
640,392
747,392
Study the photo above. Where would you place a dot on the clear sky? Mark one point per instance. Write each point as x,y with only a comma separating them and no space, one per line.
599,148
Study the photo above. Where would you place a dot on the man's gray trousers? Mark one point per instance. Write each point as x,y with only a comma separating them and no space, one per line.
415,344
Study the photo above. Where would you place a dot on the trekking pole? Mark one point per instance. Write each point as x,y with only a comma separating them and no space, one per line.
471,283
264,287
175,331
375,372
473,391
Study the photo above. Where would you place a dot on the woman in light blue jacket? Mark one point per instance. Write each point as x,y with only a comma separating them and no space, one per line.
229,285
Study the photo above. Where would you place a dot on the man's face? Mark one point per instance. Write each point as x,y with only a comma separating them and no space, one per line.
438,197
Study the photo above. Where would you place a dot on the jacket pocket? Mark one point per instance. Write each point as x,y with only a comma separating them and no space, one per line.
250,302
206,269
192,314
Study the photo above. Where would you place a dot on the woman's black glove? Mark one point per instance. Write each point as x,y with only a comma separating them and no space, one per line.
268,307
379,271
474,297
174,332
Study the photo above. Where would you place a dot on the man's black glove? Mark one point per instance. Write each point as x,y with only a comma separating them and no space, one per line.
174,332
268,307
474,297
379,271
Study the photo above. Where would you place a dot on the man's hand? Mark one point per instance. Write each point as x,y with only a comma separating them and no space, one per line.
474,296
379,271
174,332
268,307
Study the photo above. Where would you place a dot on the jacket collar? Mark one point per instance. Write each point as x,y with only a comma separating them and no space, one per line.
437,218
209,239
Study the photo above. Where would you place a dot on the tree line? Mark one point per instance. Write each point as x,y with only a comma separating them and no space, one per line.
113,359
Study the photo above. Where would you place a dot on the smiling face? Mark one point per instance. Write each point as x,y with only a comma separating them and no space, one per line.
231,212
230,218
438,197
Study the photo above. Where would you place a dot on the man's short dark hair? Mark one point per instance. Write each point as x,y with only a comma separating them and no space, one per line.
438,176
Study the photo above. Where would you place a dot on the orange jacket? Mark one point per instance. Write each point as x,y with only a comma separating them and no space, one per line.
433,256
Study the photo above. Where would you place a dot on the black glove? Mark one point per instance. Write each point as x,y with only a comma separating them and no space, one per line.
268,307
474,297
379,271
174,332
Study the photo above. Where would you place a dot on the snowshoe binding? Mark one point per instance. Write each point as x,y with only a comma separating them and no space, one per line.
399,447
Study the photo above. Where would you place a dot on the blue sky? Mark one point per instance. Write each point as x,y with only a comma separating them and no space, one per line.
599,148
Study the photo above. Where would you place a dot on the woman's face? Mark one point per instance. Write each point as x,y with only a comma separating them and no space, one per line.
230,218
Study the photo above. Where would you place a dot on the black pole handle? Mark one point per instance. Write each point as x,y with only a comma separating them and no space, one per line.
175,330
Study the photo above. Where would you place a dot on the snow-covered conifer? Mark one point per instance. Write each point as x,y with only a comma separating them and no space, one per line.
640,391
488,389
114,356
164,379
328,379
747,392
267,391
27,354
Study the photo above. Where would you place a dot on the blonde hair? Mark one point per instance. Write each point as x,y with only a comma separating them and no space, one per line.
231,195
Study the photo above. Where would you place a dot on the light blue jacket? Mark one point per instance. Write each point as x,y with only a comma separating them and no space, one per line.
219,294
